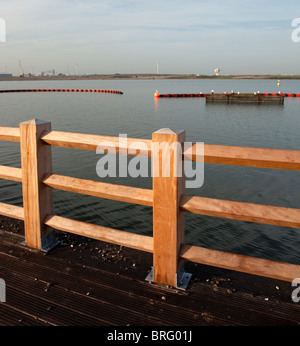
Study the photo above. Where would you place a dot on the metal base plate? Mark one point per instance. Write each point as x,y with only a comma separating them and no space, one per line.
48,241
183,278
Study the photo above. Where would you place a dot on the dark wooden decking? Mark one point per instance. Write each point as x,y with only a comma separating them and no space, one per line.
85,282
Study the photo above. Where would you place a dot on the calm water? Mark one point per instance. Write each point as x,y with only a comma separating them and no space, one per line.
137,114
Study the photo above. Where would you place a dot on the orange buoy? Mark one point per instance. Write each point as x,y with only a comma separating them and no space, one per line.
156,94
62,90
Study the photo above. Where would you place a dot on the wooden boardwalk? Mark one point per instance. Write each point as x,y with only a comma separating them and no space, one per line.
90,283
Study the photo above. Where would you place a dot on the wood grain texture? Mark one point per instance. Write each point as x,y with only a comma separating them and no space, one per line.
219,154
135,241
11,134
94,142
99,189
168,219
259,213
11,173
241,263
12,211
36,161
246,156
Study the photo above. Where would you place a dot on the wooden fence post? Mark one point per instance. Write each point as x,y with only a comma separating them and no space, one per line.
168,219
36,160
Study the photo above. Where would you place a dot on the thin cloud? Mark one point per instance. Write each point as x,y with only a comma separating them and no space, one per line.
57,29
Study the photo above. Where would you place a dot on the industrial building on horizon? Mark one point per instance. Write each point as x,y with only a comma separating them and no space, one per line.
5,75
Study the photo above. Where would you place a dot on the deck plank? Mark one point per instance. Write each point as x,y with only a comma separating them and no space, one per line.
66,288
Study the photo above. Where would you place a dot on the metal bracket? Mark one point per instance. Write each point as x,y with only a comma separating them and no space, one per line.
48,241
182,278
150,276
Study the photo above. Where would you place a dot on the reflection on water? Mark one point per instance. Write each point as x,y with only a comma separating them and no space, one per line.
137,114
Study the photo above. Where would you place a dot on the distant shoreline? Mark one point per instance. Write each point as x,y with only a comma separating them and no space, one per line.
118,76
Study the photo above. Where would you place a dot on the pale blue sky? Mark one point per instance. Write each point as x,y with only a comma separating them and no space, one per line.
128,36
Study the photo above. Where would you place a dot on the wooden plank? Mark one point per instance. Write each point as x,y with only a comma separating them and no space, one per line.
13,317
11,173
12,211
93,142
279,216
220,154
135,241
65,272
11,134
37,197
246,156
99,189
241,263
168,219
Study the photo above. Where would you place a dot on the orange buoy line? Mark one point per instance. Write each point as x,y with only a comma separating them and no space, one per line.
157,94
62,90
283,94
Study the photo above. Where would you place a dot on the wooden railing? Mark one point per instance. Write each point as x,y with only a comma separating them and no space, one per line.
167,198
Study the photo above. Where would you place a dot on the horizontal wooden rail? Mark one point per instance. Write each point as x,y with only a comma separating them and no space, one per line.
246,264
11,134
279,216
92,142
12,211
246,156
135,241
219,154
98,189
11,173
